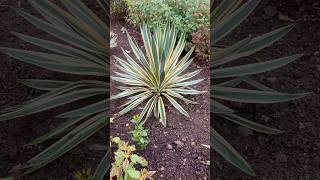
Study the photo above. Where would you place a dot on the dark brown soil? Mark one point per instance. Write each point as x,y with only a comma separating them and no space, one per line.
295,153
14,134
176,163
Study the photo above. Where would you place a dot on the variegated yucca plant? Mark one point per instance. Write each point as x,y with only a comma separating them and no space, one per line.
226,16
159,75
82,49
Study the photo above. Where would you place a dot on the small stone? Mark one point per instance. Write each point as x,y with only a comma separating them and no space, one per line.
155,146
184,139
194,156
270,11
301,126
179,144
265,118
193,143
162,168
244,131
272,79
261,140
283,17
304,125
184,162
169,146
281,157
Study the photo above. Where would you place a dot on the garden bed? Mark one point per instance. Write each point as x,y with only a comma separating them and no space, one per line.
175,151
293,154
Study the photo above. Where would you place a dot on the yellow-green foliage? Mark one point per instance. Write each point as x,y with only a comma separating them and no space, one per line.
84,174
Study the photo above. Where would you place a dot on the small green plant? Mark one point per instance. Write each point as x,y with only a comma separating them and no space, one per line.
158,76
84,174
139,133
124,168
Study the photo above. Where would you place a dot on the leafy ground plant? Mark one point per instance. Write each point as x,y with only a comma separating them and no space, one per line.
125,161
159,75
82,49
84,174
139,134
227,80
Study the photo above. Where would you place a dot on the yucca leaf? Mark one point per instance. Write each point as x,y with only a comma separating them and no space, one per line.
58,130
67,36
256,84
219,144
254,68
82,12
223,28
177,105
162,112
104,5
86,110
77,25
52,102
103,167
249,124
217,107
68,142
43,84
61,49
252,96
56,62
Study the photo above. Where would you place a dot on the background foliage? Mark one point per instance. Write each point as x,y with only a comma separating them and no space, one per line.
189,16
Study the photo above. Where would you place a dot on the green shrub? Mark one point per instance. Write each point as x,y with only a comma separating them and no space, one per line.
201,40
189,16
186,15
118,7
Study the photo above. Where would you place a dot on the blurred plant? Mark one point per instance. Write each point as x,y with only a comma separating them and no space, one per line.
139,133
158,75
118,8
227,80
113,40
201,41
125,161
84,174
82,49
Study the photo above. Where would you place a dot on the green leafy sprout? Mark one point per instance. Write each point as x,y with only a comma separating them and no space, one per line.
139,134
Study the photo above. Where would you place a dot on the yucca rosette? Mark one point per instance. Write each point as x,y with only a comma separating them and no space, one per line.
159,76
